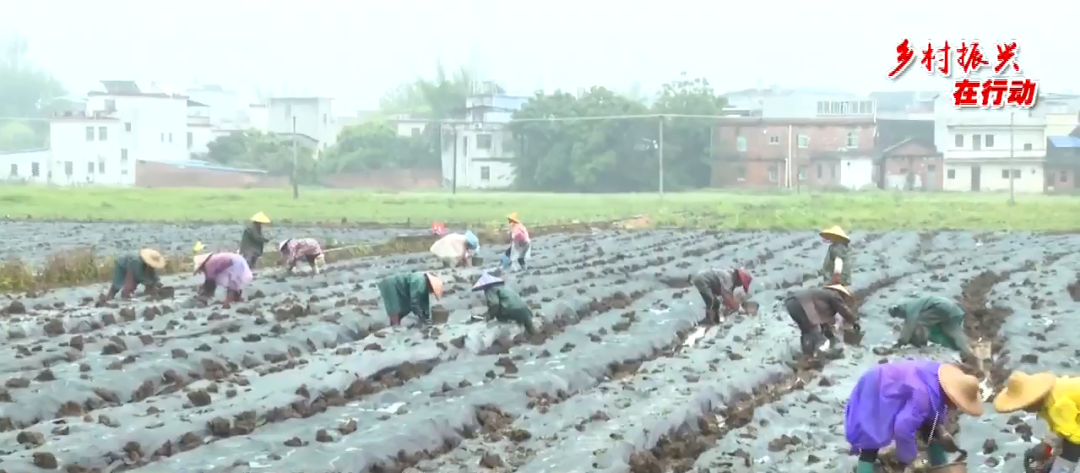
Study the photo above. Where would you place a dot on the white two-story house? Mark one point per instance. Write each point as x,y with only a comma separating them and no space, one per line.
479,152
154,120
983,149
315,123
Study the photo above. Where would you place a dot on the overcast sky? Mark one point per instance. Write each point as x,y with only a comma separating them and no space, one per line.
355,50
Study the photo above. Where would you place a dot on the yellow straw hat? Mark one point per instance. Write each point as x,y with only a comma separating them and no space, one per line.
436,284
839,287
200,260
834,232
152,258
513,217
260,218
962,389
1023,390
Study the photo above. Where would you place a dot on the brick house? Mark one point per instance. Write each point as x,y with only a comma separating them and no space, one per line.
908,159
793,153
1062,162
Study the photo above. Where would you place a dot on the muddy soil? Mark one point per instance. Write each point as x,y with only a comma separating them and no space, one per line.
33,241
622,378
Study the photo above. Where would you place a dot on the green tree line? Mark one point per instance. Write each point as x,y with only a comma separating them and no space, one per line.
26,92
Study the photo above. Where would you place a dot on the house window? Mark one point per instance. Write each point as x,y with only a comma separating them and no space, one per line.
976,142
127,126
1027,146
35,169
774,140
415,132
110,105
163,137
69,168
834,108
802,173
324,119
101,167
903,170
989,141
804,141
852,139
89,168
740,173
1016,173
14,169
123,172
772,175
123,155
485,173
819,173
102,133
822,108
170,137
740,143
483,141
931,168
1062,176
951,174
190,140
958,141
89,133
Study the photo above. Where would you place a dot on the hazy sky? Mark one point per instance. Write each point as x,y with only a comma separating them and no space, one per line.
354,51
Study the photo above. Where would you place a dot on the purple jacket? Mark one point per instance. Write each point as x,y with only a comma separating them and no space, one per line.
890,402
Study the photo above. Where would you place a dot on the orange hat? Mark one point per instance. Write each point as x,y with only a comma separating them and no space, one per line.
961,388
513,217
436,284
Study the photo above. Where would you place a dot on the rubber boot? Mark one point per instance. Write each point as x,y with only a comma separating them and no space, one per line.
1062,465
864,467
937,454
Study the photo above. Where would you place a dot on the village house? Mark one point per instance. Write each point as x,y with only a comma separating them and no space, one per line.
812,153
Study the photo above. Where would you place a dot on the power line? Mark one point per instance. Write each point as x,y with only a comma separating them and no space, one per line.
619,117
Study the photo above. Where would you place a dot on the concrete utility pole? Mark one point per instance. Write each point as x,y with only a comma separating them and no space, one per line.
660,153
295,185
1012,155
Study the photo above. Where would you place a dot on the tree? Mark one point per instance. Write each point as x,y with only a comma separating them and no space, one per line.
376,145
271,153
25,90
16,136
616,155
687,141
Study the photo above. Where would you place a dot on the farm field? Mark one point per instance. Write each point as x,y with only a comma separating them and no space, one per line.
620,378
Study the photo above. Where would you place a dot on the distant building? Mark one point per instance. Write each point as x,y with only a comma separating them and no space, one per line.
799,103
200,128
83,150
314,120
154,118
793,153
479,152
224,107
409,125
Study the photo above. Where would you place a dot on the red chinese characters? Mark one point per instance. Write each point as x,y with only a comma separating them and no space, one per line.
904,54
1007,55
969,57
996,93
933,56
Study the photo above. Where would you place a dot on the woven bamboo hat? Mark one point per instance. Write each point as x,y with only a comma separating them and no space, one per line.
962,389
839,287
152,258
513,217
260,218
1023,390
834,232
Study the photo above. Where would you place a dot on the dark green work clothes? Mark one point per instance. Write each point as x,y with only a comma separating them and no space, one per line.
842,251
252,243
405,294
942,318
140,273
505,305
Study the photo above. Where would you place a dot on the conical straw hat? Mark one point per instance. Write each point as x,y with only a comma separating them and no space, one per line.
1023,390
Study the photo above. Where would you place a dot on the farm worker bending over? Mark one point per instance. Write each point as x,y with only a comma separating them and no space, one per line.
223,269
814,311
293,249
405,294
131,270
520,243
717,286
253,240
894,402
934,318
456,249
836,269
1055,400
503,303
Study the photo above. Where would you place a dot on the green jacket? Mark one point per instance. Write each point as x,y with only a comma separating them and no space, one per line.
842,251
253,241
405,294
505,305
943,318
132,264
